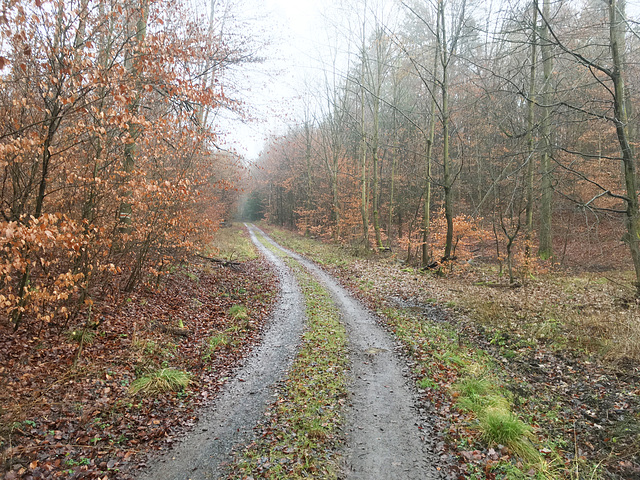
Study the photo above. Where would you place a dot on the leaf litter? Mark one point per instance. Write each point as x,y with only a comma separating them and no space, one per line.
64,421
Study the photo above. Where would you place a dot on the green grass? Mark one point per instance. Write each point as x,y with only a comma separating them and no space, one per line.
479,394
239,312
302,433
425,383
232,243
215,343
501,427
160,381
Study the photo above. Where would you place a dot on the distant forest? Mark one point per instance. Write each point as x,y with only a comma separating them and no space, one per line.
502,129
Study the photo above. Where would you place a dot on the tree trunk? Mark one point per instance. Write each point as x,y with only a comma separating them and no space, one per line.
446,164
380,62
54,109
530,128
426,214
617,32
394,162
545,248
307,156
446,160
363,166
52,127
363,192
336,205
376,180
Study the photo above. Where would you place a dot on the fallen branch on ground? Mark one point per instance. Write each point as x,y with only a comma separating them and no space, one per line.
220,261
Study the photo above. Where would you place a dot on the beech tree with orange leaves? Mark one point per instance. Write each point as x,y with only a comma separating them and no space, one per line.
109,170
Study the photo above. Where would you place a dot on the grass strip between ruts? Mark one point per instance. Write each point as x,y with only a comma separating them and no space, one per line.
299,438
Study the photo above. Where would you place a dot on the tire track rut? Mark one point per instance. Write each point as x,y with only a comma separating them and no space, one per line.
242,402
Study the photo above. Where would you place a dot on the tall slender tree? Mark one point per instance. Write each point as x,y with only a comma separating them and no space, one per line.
545,249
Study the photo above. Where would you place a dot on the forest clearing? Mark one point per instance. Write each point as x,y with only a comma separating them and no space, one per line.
439,273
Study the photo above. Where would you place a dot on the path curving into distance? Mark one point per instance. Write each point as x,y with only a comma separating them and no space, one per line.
387,437
242,401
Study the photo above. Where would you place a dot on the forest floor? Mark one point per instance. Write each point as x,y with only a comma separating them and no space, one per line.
556,359
60,419
562,351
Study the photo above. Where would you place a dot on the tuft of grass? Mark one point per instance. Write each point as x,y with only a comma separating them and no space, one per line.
502,427
425,383
497,424
478,394
239,312
160,381
218,341
474,387
215,343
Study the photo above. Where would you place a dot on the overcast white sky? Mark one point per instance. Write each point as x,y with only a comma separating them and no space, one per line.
297,33
273,89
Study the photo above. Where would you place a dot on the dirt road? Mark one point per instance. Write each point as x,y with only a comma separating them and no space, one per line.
387,438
